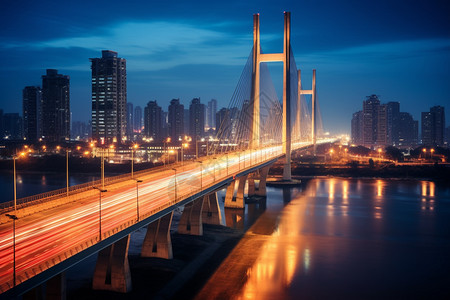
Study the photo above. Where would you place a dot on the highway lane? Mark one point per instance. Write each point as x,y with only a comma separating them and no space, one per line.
43,236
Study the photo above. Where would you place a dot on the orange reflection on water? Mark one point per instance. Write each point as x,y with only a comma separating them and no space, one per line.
428,193
331,190
281,256
379,188
345,191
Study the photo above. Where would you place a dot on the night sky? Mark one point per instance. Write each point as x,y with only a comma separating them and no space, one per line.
399,50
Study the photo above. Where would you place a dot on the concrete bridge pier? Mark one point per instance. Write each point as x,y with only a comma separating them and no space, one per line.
157,242
263,172
112,271
53,289
238,201
211,210
191,219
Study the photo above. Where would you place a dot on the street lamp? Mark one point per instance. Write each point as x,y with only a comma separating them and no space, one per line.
214,168
424,153
135,146
185,145
14,218
431,153
101,190
137,197
175,185
201,173
227,162
67,172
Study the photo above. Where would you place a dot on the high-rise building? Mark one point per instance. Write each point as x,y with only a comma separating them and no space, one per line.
357,127
393,119
130,119
138,119
109,97
211,110
55,106
408,130
447,136
176,120
196,119
382,126
433,124
32,113
12,125
223,123
370,120
80,131
152,121
186,121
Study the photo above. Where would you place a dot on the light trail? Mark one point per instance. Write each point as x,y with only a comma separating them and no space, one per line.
61,231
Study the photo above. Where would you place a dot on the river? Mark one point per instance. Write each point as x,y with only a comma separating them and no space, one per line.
343,239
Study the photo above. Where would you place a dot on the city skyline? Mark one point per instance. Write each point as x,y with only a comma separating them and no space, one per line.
201,53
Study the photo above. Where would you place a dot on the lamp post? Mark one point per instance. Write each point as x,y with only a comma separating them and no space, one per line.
185,145
135,146
14,218
201,174
431,153
424,153
67,172
196,147
101,190
227,162
175,184
214,168
137,196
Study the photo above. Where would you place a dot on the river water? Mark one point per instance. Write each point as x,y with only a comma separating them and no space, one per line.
342,239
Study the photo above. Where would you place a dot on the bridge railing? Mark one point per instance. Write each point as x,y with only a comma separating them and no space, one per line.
73,190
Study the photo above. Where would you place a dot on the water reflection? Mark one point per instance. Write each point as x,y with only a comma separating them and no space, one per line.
428,191
338,231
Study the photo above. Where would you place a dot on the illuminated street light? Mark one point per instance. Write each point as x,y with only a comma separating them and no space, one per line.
379,152
214,168
14,218
201,173
175,185
185,145
101,190
135,146
137,197
424,152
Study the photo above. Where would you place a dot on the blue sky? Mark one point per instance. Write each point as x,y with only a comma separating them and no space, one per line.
399,50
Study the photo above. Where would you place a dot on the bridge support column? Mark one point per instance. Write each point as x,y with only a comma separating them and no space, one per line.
211,210
191,219
238,201
55,289
263,172
112,271
157,242
251,186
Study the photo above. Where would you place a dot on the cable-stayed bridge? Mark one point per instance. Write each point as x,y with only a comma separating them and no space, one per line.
42,237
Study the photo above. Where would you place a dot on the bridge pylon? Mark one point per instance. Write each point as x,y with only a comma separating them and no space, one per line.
311,92
283,57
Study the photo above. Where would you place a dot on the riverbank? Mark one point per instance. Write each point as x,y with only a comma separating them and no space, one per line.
437,172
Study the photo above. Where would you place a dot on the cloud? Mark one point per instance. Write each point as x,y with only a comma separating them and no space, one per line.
158,45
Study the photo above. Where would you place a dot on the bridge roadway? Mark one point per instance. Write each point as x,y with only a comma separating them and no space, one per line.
46,239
